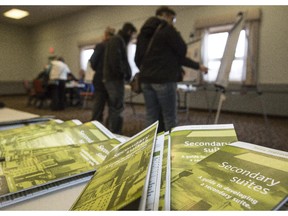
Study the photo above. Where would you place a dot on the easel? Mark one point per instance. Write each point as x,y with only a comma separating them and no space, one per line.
221,100
244,90
225,68
222,79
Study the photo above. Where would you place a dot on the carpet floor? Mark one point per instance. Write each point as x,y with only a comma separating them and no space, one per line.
249,127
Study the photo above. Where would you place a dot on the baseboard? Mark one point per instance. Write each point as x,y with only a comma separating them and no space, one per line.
11,88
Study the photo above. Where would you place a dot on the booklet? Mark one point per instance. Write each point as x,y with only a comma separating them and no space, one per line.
20,165
164,197
153,197
192,143
84,133
32,172
239,176
121,182
10,134
29,132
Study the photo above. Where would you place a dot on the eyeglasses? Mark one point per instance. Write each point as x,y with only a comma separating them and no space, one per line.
174,20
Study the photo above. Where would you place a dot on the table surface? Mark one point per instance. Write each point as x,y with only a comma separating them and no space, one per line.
8,115
59,200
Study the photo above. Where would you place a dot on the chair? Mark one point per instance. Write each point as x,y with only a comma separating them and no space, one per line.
29,91
41,94
87,95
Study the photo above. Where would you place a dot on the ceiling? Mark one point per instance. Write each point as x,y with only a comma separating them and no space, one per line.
39,14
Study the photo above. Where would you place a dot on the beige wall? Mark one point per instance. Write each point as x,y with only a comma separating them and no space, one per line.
15,53
67,34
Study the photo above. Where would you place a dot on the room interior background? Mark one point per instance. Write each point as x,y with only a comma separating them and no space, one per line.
25,49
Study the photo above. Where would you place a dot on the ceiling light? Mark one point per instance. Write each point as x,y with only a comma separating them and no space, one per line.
16,14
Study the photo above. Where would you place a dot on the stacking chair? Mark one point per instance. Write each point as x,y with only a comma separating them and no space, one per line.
86,96
29,91
41,94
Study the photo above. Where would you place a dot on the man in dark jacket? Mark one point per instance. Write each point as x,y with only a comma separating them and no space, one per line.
115,72
160,67
100,94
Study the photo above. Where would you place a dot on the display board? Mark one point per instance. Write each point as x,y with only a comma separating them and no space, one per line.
222,79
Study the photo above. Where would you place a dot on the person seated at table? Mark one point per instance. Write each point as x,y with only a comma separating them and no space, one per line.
88,87
57,79
73,89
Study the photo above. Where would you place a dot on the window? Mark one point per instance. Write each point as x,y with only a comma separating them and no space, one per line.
85,55
131,49
88,51
214,49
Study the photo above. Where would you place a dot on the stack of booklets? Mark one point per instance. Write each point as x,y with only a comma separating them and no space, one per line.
196,167
40,158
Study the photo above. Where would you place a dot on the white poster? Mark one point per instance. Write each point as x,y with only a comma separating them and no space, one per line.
222,79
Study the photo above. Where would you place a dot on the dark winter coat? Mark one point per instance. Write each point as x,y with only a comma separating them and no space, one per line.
96,61
116,65
163,62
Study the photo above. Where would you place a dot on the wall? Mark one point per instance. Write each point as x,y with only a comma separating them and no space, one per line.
67,34
273,62
16,52
15,60
70,32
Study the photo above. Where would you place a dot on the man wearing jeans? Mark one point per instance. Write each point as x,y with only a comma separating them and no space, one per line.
100,94
161,67
116,71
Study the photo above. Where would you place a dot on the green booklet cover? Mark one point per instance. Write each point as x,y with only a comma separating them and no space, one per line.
14,138
85,133
239,176
12,134
11,131
192,143
25,171
164,197
121,182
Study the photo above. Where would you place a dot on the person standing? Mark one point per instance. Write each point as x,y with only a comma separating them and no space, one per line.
57,79
161,66
116,71
96,61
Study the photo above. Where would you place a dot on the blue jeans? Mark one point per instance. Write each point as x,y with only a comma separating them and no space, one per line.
160,101
100,98
115,90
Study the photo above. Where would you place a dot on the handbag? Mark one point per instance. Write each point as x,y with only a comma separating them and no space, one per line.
136,83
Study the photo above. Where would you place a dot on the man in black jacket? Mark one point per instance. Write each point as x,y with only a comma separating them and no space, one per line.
160,67
100,94
116,71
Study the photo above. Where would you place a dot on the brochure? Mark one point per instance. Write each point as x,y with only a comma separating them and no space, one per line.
239,176
121,182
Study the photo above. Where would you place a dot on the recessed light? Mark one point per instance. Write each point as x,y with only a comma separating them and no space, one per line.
16,14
